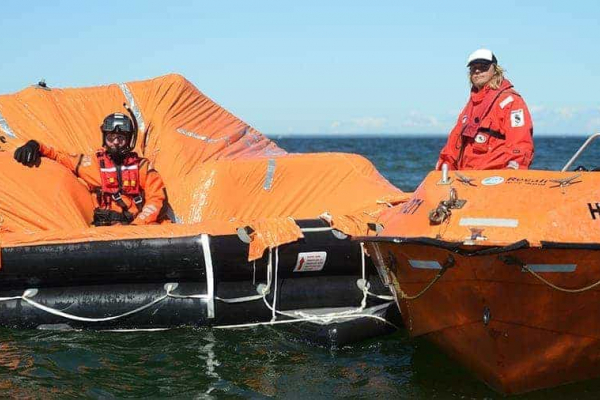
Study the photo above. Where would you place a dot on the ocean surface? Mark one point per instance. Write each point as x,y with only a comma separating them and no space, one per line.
265,362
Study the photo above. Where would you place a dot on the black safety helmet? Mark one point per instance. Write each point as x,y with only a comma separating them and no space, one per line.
119,123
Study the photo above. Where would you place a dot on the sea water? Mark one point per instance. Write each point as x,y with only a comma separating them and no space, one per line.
265,362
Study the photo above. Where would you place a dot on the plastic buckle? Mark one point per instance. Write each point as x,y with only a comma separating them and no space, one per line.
138,199
117,197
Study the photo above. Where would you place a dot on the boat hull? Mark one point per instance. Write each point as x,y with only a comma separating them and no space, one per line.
512,330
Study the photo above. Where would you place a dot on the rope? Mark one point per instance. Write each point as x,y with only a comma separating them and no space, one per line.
263,291
10,298
31,292
325,318
240,299
136,330
59,313
513,260
300,316
296,316
295,320
365,288
448,264
381,296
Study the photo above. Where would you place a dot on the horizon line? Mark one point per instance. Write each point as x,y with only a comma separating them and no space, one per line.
400,135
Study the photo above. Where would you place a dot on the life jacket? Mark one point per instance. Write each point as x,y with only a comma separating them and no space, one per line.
118,180
474,116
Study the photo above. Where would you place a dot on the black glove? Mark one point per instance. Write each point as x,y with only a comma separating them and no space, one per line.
28,154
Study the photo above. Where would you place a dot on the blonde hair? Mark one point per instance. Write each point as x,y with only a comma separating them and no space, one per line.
496,80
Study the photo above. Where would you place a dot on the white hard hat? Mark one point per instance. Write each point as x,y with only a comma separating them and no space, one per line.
482,55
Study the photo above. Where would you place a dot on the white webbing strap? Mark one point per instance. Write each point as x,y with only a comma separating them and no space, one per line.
365,287
274,314
210,280
320,229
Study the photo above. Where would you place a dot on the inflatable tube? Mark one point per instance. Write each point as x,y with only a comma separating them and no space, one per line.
190,281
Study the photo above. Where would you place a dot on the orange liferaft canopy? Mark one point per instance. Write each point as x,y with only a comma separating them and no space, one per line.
220,173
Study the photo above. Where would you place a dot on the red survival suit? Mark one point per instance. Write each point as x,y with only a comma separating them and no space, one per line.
494,131
133,187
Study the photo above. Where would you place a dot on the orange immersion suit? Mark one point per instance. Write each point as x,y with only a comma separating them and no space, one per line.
493,131
142,191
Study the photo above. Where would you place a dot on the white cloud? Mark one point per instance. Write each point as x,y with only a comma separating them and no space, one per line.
534,110
593,125
546,119
565,119
370,122
418,120
567,112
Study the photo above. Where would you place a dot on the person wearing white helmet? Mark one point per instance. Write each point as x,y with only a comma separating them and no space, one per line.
494,130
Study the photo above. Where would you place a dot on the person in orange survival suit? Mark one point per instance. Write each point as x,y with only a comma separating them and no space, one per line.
494,130
128,190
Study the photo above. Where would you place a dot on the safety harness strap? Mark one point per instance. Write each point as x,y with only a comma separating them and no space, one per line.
117,198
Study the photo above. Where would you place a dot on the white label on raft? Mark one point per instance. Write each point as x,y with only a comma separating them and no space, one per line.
500,222
424,264
311,261
551,267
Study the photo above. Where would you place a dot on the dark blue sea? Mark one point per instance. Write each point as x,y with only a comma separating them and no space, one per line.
265,362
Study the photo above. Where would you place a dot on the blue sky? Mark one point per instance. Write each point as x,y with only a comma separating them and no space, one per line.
330,67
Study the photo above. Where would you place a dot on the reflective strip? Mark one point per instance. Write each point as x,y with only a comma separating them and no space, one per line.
500,222
425,264
274,152
551,267
4,126
123,168
270,173
195,135
134,107
321,229
210,280
506,101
